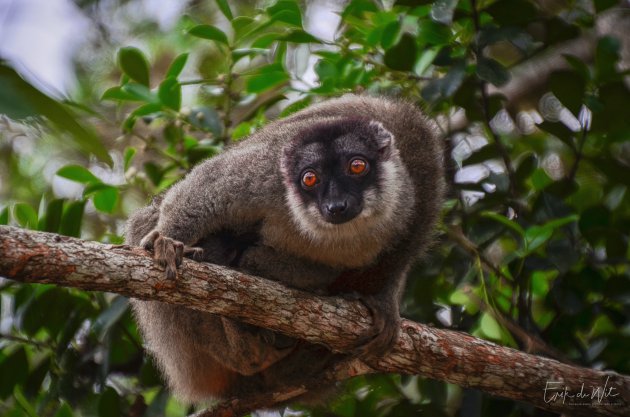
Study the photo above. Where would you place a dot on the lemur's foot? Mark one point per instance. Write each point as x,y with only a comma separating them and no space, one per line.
384,332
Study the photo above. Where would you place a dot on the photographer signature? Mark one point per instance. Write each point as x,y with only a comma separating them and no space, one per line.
599,394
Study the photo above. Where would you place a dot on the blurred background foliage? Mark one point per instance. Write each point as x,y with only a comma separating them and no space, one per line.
531,97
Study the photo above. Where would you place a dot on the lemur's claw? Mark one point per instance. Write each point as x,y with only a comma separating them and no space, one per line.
167,253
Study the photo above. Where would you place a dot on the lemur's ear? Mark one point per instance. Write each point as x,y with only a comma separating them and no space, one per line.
384,138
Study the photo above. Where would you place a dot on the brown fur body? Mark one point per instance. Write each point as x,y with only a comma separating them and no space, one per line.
248,189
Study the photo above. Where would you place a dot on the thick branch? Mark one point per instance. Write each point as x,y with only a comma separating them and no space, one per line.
440,354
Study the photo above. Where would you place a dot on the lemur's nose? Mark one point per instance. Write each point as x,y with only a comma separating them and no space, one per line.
336,207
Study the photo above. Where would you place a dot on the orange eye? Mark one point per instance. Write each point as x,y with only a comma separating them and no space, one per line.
309,179
358,166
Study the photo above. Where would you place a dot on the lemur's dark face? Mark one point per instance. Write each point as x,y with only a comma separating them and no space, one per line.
333,170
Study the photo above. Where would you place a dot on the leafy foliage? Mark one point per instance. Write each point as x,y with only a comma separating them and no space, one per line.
533,249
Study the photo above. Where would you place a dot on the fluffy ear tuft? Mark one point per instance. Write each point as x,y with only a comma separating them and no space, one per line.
384,138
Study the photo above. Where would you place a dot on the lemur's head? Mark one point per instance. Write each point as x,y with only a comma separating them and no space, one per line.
342,174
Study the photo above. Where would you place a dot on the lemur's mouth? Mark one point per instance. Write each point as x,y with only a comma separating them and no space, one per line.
337,220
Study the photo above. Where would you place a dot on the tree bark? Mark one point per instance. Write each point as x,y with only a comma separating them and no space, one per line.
445,355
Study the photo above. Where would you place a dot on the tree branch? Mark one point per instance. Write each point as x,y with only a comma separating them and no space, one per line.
445,355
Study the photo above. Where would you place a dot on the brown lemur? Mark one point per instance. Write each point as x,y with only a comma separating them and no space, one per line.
339,198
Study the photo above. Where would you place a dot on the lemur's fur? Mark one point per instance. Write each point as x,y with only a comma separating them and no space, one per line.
246,208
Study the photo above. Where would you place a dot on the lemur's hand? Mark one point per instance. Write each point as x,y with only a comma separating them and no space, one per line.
168,253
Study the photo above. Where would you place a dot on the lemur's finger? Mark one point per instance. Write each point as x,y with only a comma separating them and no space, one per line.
148,241
179,252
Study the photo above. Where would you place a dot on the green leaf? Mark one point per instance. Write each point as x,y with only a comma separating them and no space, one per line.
266,78
490,327
170,93
199,153
206,119
526,167
460,297
134,64
286,11
78,173
491,35
25,215
177,66
593,218
105,199
513,12
266,40
540,282
296,106
616,244
614,197
23,402
149,376
490,70
359,8
554,224
108,318
144,110
540,179
391,35
606,57
613,117
426,59
245,26
242,130
209,32
402,56
504,221
601,5
52,218
154,172
578,66
128,156
225,9
568,87
4,216
242,23
36,377
559,130
128,92
299,36
433,33
482,154
117,93
19,99
243,52
64,411
158,404
72,218
139,92
71,322
535,236
109,404
447,86
13,371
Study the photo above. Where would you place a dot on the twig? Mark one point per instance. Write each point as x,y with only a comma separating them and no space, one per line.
578,154
37,344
